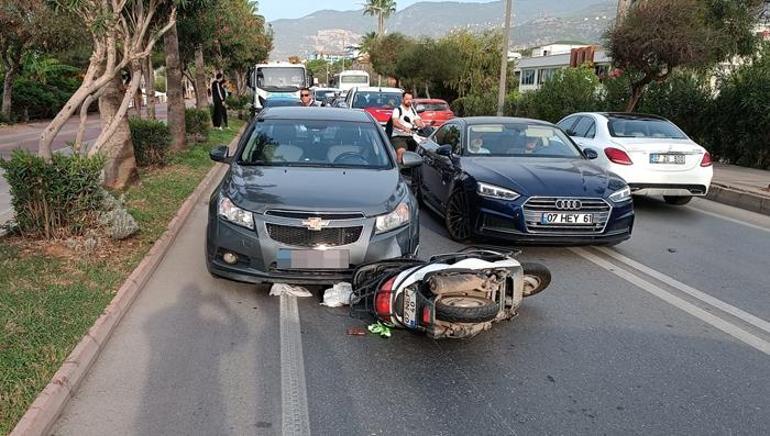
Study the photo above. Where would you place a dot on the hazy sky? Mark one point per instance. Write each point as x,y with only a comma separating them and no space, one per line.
275,9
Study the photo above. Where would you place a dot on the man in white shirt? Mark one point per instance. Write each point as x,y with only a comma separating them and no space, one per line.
404,120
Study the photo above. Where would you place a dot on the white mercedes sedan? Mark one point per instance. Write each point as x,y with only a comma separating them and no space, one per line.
649,152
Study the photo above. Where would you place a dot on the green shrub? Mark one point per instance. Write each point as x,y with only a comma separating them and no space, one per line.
739,122
238,102
36,100
197,123
475,105
151,139
57,199
569,90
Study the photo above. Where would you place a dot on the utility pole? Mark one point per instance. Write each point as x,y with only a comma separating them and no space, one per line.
504,60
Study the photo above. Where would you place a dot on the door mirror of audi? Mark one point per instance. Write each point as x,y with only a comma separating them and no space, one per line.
411,159
220,154
444,150
590,153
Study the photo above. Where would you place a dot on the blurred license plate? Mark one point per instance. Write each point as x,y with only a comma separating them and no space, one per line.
410,307
313,259
676,159
567,218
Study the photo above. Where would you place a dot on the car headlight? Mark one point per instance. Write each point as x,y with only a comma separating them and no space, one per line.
235,214
492,191
621,195
399,217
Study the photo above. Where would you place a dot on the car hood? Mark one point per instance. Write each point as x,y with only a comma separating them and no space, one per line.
544,176
259,188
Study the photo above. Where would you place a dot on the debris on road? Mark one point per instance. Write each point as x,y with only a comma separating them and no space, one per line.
356,331
379,328
279,289
338,296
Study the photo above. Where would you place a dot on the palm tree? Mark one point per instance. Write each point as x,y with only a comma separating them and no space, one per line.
367,42
383,9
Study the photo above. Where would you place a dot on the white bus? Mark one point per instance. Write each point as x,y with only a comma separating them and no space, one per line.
348,79
277,80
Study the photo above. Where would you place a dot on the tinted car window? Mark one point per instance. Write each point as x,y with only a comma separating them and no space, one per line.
644,128
584,128
519,139
567,124
440,134
316,143
454,138
363,100
434,107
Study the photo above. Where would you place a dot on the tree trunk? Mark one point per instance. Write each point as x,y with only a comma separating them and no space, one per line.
149,87
174,90
120,165
427,90
10,76
201,97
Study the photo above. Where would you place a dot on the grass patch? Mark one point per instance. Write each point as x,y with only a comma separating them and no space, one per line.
50,297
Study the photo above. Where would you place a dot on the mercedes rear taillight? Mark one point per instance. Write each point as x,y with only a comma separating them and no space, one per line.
618,156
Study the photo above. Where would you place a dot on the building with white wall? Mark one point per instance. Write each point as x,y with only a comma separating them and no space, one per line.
546,60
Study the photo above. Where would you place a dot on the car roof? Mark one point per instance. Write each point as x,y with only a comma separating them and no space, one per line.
314,113
378,89
630,116
490,119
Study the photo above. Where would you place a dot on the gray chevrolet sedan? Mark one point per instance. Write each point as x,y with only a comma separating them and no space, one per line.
310,194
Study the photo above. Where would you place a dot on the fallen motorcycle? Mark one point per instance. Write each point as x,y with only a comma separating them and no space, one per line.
457,295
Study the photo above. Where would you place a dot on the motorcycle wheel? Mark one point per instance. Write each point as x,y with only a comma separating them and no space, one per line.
537,277
467,309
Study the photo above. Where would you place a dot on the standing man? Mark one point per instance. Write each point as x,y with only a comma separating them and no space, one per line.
404,120
218,96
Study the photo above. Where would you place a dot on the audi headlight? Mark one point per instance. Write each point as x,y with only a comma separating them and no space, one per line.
235,214
399,217
621,195
496,192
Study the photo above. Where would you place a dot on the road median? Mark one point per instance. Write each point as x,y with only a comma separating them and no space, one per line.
741,198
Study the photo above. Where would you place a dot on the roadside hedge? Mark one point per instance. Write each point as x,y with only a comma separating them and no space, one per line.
151,139
54,199
197,123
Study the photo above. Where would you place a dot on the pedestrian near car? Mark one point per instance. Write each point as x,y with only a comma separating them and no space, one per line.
218,97
404,120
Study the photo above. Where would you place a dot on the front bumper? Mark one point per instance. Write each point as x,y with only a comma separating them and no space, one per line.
257,252
505,220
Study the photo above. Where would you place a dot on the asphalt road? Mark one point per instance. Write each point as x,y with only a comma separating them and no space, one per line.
26,136
666,334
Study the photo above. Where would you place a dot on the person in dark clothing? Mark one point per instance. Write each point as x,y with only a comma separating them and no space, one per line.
225,93
218,96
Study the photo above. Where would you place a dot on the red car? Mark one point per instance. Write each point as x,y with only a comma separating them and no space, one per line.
379,102
433,111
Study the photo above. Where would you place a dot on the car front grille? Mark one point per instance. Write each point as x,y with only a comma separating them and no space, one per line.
304,237
536,206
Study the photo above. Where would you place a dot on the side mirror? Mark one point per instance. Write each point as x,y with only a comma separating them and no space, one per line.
444,150
590,153
411,159
220,154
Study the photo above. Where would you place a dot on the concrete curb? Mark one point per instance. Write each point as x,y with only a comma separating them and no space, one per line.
45,410
733,196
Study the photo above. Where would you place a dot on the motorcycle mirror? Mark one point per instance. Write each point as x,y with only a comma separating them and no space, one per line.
411,159
444,150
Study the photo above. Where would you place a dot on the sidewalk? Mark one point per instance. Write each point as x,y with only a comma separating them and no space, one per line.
746,188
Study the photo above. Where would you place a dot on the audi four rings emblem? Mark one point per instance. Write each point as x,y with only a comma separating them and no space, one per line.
565,204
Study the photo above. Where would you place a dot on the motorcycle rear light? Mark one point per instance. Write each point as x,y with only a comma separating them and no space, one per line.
426,318
618,156
382,300
706,161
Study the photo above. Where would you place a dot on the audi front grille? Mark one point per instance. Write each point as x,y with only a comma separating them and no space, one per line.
535,207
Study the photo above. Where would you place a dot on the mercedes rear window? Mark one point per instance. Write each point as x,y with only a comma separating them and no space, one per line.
644,128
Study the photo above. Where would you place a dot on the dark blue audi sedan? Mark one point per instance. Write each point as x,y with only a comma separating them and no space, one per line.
520,180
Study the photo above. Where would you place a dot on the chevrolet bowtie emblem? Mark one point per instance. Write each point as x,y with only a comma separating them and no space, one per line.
315,223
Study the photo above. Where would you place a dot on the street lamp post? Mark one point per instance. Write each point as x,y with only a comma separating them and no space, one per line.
504,60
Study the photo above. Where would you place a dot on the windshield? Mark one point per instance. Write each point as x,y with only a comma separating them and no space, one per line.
519,139
281,77
282,102
324,94
354,79
365,99
434,107
316,144
649,128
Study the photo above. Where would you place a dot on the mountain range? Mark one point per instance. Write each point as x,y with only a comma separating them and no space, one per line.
535,22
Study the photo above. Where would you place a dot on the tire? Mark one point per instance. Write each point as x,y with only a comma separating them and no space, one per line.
461,308
457,219
677,200
537,277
